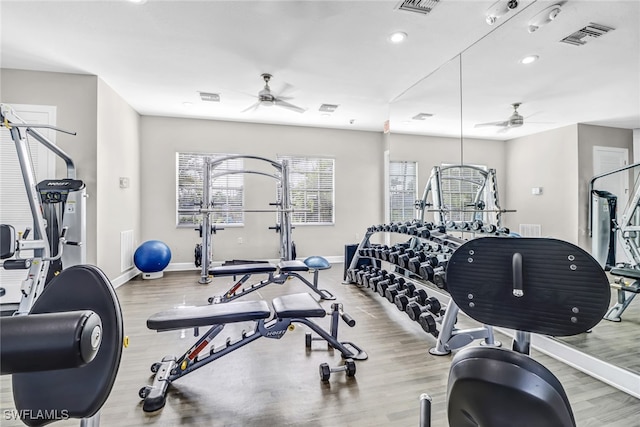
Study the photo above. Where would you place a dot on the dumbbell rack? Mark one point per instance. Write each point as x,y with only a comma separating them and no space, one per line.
415,266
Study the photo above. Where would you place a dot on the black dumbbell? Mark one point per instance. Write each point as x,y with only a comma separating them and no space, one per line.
414,263
423,232
359,275
389,280
427,272
440,279
393,291
402,300
349,367
371,283
477,226
382,286
428,324
403,259
395,255
503,230
430,305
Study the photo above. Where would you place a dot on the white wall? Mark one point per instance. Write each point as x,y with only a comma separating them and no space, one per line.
118,151
75,97
358,180
548,160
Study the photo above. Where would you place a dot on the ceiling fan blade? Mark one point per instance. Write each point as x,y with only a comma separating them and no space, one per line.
251,107
280,103
285,90
502,124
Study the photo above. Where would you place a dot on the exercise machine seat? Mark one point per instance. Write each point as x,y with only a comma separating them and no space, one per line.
292,265
297,305
80,393
234,270
497,387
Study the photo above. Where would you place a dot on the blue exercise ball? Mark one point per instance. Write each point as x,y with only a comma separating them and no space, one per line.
152,256
317,262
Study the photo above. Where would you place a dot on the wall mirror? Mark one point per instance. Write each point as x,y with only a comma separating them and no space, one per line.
472,101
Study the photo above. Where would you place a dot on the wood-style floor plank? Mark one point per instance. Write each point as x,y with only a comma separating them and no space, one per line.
276,382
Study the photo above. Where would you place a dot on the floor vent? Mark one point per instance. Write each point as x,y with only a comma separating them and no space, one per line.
583,35
126,250
530,230
418,6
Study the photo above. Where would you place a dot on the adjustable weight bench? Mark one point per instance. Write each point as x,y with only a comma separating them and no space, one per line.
278,275
288,309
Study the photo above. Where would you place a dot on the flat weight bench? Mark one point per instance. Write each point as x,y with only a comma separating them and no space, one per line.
288,309
626,292
278,275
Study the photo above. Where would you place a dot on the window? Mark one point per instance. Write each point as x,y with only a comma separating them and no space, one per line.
226,191
311,182
403,177
460,188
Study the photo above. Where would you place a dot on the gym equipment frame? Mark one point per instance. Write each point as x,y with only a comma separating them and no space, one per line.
288,309
604,228
283,207
48,238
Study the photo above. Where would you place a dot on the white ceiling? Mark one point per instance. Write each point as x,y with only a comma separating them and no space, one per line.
160,54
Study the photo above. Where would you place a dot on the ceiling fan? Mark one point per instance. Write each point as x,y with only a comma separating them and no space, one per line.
268,99
516,120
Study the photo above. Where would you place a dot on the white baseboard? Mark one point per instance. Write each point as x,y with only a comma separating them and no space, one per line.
125,277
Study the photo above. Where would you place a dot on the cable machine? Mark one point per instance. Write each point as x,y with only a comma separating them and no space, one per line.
58,211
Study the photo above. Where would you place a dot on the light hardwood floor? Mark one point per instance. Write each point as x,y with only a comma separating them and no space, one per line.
276,382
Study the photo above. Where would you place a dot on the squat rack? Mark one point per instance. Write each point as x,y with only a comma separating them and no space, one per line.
283,206
488,185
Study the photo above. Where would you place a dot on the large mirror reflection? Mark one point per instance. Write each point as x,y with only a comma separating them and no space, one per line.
536,107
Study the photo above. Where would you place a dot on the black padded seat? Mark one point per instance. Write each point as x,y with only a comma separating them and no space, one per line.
491,386
297,305
76,392
207,315
235,270
631,273
293,265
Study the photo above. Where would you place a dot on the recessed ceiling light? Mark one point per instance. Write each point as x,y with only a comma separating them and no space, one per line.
398,37
529,59
138,1
187,104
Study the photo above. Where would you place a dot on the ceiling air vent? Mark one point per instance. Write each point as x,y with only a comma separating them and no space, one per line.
210,97
328,108
418,6
583,35
422,116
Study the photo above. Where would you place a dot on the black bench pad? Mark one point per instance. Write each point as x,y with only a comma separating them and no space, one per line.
234,270
631,273
297,305
294,265
206,315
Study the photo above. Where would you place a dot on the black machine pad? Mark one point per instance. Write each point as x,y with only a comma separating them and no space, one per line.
293,265
235,270
630,273
564,290
297,305
207,315
80,392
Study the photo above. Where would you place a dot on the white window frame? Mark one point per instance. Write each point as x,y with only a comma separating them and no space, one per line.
296,185
453,214
402,180
224,184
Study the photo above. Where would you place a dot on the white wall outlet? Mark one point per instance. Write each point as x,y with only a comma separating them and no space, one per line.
240,240
124,182
536,191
